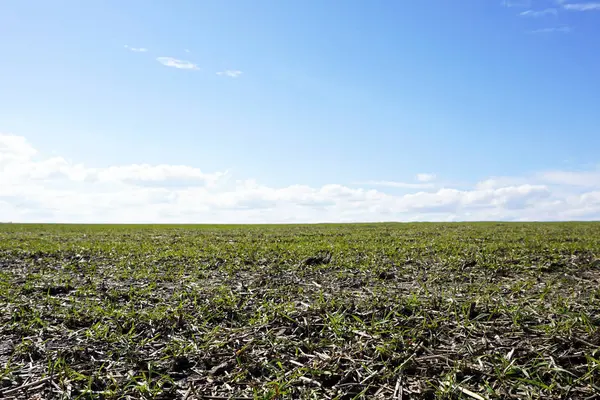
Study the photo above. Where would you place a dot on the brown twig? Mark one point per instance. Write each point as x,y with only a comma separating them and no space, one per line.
26,386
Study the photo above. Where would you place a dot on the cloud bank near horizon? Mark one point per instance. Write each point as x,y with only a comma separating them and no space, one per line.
38,188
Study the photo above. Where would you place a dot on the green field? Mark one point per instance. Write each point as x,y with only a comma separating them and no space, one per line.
379,311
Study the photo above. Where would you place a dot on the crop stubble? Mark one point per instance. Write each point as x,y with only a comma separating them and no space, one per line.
389,311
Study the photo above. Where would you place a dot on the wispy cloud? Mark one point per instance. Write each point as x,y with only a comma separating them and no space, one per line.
175,63
516,3
136,49
186,50
582,6
572,178
425,177
539,13
230,73
393,184
559,29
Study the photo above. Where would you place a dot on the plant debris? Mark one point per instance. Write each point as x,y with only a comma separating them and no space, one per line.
389,311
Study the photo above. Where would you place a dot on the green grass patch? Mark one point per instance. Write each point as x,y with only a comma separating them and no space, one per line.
324,311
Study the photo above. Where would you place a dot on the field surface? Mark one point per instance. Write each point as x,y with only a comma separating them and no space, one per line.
378,311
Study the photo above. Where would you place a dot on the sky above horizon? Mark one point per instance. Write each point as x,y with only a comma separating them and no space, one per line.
299,111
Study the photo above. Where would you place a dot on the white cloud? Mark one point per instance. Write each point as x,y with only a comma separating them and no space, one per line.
15,148
136,49
425,177
35,187
516,3
582,6
186,50
175,63
572,178
394,184
540,13
559,29
499,182
230,73
149,175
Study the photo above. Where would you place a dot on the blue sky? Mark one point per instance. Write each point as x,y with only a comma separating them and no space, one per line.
387,99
